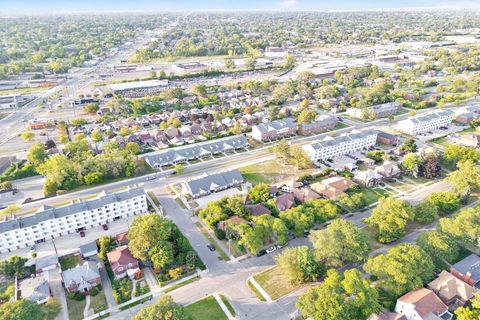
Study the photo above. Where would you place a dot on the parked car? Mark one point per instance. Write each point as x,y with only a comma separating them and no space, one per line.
105,227
261,253
280,246
82,234
271,249
211,247
150,178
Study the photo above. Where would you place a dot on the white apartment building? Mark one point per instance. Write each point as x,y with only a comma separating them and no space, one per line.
330,147
424,123
48,222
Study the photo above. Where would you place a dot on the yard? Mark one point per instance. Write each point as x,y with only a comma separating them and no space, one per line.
371,195
271,172
206,308
75,308
274,282
99,302
70,261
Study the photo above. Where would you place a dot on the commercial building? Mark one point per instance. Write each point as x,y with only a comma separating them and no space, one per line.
49,222
192,152
380,110
424,123
189,67
207,184
330,147
141,88
274,130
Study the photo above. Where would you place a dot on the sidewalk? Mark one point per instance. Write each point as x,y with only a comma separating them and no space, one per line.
222,305
259,288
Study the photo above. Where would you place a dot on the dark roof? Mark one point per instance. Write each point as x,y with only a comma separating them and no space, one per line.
471,265
258,209
87,248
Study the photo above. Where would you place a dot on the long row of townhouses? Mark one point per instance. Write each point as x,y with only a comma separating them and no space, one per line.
48,222
424,123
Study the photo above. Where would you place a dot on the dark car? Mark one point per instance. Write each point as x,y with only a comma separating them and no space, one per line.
261,253
82,234
210,247
105,227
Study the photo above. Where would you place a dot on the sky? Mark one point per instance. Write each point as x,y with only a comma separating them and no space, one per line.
52,6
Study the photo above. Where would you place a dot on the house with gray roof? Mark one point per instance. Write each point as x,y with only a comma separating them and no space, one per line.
89,250
468,270
82,278
192,152
35,289
274,130
48,222
208,183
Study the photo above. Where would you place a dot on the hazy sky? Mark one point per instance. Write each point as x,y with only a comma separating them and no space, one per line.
50,6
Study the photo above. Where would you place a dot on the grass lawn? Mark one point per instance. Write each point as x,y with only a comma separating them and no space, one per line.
274,282
270,172
341,125
181,284
254,290
374,244
369,195
22,90
382,192
234,250
99,302
70,261
75,309
180,203
228,305
206,308
219,249
442,141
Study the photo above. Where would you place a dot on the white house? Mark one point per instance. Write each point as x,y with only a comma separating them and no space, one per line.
422,304
424,123
330,147
48,222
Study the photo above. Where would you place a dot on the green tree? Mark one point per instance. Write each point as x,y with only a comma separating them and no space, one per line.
229,64
13,267
425,212
341,298
403,268
199,90
408,146
306,116
125,131
463,227
20,310
259,193
105,245
323,209
27,136
289,61
9,210
298,220
96,135
298,265
454,153
146,232
446,201
339,244
251,238
161,255
411,163
132,148
91,108
51,309
470,312
163,309
466,178
179,168
36,154
440,247
389,219
352,202
305,104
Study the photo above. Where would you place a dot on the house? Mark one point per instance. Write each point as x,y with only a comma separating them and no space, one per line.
274,130
425,122
122,238
123,263
273,190
388,170
35,289
422,304
322,123
46,263
330,147
469,140
235,220
303,195
208,183
379,110
387,315
258,209
451,290
332,188
367,178
468,270
291,185
89,250
284,202
387,138
82,278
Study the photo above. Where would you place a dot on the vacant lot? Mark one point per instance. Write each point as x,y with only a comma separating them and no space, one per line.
206,308
275,283
271,172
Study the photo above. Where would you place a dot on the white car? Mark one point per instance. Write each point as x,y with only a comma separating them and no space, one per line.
271,249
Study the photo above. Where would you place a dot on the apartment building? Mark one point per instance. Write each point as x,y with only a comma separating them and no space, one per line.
424,123
322,123
208,183
330,147
380,110
274,130
49,222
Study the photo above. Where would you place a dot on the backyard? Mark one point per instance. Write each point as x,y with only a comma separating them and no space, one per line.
206,308
70,261
275,283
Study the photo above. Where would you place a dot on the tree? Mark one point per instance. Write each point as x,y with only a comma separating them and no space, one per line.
163,309
352,202
430,167
300,157
92,178
298,265
376,155
472,312
305,104
411,163
463,227
125,131
440,247
341,298
199,90
298,220
161,255
446,201
259,193
454,153
425,212
339,244
13,267
9,210
282,151
466,178
390,218
289,61
306,116
251,238
146,232
96,135
179,168
105,245
51,309
405,267
229,64
408,146
91,108
132,148
20,310
36,154
27,136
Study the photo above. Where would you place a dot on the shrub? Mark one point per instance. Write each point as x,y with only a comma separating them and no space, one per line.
79,296
94,292
71,295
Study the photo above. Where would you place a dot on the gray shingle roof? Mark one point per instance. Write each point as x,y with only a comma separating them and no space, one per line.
276,125
89,247
470,264
207,183
47,213
86,272
35,289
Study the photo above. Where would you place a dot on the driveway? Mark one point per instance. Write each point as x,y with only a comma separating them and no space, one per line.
106,285
55,281
150,279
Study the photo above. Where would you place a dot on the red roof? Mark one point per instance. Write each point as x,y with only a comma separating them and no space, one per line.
121,237
121,257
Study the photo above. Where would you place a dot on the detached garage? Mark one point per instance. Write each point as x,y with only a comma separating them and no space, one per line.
89,250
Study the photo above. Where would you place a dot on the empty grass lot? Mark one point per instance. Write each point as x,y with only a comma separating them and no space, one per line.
271,172
206,308
275,283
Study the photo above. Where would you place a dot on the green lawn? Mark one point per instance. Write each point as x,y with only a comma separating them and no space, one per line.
382,192
228,305
442,141
99,302
270,172
75,309
70,261
341,125
206,308
369,195
275,283
254,290
181,284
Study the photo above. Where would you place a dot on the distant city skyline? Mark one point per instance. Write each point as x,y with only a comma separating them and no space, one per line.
52,6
